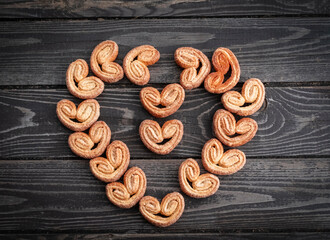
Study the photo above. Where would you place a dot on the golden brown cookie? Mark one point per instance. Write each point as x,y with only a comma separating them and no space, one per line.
217,162
152,135
136,61
128,194
87,114
171,207
82,144
88,87
110,169
253,92
202,186
223,59
102,62
171,98
190,59
225,126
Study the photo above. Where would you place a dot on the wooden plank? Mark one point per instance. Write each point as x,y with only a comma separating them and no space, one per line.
295,122
167,8
267,194
272,49
193,236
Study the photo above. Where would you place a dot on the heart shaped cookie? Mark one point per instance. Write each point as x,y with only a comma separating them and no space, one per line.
152,135
110,169
217,162
136,70
224,126
87,113
82,144
253,92
102,62
128,194
223,59
202,186
190,59
88,87
171,208
171,98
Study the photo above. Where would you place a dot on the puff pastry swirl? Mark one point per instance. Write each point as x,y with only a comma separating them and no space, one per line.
253,92
224,126
128,194
136,61
81,143
223,59
203,185
88,87
104,55
217,162
110,169
190,59
171,98
152,135
87,113
171,209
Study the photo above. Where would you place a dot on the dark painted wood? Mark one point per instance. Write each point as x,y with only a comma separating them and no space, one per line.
193,236
272,49
266,195
294,122
159,8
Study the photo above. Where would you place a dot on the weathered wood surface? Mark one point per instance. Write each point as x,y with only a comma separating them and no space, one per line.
272,49
267,194
193,236
294,122
159,8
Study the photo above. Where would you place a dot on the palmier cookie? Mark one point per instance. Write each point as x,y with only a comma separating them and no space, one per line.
152,135
202,186
171,98
128,194
88,87
110,169
190,59
253,92
87,114
82,144
102,62
223,59
224,126
171,209
136,61
217,162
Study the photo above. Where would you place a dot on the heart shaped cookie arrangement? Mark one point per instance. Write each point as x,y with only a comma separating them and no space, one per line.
159,139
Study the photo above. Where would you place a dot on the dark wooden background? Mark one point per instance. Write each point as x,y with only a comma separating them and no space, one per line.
282,192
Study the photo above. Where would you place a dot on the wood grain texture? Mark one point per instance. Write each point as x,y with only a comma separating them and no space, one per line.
181,236
271,49
294,122
149,8
276,194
